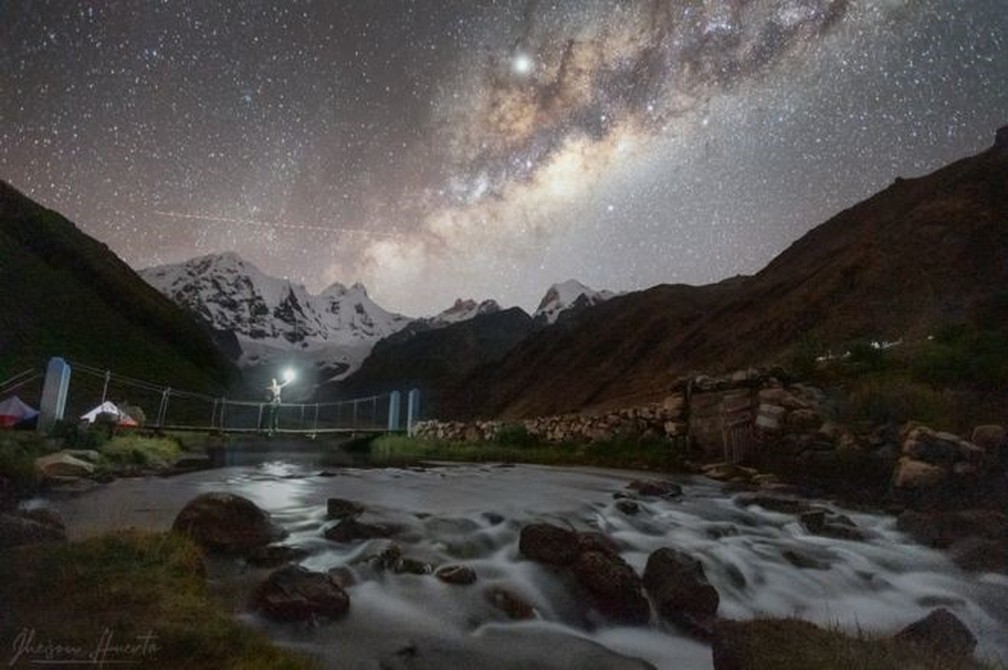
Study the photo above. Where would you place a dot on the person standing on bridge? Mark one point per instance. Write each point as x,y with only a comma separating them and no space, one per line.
274,409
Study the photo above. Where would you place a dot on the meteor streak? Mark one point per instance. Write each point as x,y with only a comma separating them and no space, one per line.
276,224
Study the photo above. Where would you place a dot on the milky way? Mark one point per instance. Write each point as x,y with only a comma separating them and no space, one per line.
486,149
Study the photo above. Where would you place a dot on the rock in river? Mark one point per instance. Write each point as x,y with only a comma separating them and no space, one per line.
614,586
456,574
941,631
339,508
513,605
227,523
294,593
680,591
21,529
661,489
546,543
350,529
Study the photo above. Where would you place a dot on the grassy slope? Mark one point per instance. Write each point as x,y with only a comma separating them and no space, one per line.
792,644
130,583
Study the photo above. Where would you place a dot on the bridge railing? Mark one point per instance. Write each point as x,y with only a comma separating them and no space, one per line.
70,396
27,384
365,414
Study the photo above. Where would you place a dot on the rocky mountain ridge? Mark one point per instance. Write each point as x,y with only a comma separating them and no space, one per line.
273,319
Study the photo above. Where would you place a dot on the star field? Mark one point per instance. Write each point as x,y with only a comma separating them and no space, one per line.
486,148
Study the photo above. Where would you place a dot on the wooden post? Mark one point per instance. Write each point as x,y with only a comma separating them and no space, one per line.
163,410
104,391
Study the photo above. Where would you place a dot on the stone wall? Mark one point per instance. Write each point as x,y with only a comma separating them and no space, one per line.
659,420
716,414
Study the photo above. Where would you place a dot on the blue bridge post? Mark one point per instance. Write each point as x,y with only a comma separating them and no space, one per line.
412,410
54,393
394,410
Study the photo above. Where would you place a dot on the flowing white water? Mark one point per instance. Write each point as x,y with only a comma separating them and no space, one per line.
472,514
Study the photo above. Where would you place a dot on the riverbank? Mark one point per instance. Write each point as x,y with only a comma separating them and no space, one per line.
127,597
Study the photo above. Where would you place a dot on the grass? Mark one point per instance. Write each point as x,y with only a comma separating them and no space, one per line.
121,454
132,449
655,455
896,398
795,644
130,584
953,381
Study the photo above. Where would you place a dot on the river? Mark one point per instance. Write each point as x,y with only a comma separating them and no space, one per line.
472,514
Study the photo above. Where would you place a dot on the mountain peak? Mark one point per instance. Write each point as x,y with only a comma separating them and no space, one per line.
566,296
464,309
1001,138
272,317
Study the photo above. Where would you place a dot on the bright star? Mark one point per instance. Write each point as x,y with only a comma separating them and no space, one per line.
522,64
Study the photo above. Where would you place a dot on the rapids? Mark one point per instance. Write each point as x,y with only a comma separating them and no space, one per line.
472,514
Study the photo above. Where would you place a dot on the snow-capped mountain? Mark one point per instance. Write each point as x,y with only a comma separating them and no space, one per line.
568,296
272,317
463,310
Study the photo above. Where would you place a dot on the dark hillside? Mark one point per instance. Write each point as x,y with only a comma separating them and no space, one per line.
66,294
923,255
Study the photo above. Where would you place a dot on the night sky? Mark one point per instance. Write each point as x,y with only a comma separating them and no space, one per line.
480,148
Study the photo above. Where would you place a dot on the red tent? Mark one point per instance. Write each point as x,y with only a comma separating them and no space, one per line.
14,411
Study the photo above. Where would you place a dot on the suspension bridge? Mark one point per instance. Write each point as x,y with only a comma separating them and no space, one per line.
68,390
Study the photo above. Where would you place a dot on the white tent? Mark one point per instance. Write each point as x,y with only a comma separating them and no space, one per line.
108,407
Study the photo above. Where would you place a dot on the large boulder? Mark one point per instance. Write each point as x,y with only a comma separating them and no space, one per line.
456,574
512,604
339,508
937,448
942,632
46,516
680,591
724,472
294,593
918,476
943,528
992,439
227,523
827,524
593,541
614,586
547,543
976,539
785,504
923,444
657,488
350,529
21,529
980,555
62,464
